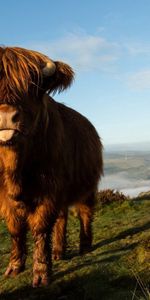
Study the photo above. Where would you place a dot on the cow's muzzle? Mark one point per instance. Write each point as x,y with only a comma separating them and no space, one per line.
9,122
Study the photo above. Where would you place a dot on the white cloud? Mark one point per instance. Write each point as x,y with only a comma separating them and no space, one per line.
137,48
84,51
139,80
87,52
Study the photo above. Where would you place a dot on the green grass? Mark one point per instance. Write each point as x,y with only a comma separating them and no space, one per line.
117,268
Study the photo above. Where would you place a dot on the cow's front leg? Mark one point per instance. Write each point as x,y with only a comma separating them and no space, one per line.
41,223
18,255
42,259
13,208
17,228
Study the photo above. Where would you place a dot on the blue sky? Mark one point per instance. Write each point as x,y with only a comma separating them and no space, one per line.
108,45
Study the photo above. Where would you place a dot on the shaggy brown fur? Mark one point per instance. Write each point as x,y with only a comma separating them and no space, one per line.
54,161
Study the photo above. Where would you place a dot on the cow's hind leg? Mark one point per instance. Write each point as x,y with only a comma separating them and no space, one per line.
59,236
85,213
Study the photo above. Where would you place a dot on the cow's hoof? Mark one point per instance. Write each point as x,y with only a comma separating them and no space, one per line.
13,270
85,249
40,280
57,255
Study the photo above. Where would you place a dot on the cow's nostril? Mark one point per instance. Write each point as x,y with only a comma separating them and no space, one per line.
15,117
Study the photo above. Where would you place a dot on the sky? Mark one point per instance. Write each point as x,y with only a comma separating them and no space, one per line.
107,43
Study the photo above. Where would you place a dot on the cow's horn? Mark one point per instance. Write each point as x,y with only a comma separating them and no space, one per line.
49,69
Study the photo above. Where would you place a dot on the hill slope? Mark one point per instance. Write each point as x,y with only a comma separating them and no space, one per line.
118,266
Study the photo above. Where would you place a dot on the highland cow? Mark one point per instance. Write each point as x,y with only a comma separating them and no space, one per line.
50,158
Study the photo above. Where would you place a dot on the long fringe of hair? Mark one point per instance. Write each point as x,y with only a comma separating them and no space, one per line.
19,68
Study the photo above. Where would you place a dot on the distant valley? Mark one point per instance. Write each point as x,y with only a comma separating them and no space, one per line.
126,170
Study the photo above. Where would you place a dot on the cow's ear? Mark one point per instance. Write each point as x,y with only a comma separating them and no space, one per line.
57,76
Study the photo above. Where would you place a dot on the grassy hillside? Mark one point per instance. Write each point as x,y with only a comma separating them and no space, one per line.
117,268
